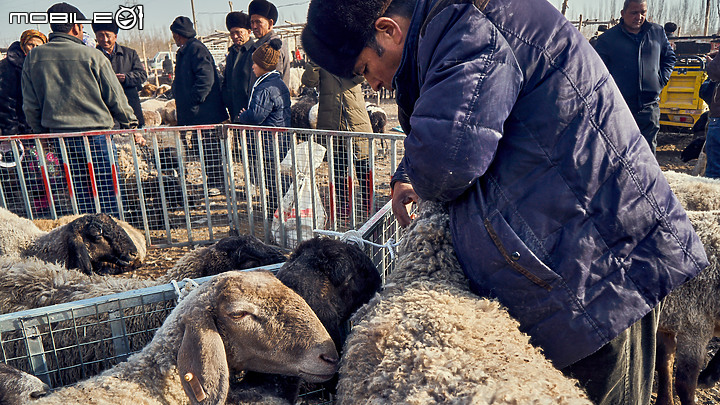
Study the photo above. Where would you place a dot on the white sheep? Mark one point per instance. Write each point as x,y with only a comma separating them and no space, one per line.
695,193
237,321
91,243
426,338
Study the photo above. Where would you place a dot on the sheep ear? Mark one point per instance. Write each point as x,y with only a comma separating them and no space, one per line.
78,255
201,361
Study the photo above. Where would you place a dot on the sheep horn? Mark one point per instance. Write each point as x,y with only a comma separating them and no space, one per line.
197,389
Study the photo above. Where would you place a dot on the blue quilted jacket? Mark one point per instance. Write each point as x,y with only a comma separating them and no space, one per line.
269,104
558,207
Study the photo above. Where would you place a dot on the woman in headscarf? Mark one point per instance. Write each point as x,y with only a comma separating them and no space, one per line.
12,118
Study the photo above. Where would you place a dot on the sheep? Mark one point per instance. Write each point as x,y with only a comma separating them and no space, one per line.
300,109
688,320
237,321
378,117
695,193
18,387
92,243
31,283
135,234
152,118
426,338
335,279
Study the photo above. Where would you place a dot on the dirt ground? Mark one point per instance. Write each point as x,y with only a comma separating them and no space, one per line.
670,144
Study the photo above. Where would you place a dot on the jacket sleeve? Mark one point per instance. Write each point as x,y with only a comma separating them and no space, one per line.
259,108
204,73
9,119
137,74
114,96
311,76
713,69
468,88
31,103
667,60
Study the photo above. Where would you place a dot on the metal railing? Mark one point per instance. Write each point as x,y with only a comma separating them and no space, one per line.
196,185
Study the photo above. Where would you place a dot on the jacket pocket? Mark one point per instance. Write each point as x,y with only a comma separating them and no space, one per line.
516,253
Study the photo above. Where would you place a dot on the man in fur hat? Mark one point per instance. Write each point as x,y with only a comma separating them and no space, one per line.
125,62
196,87
237,78
558,207
263,16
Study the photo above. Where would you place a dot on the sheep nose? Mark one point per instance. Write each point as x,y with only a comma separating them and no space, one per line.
330,358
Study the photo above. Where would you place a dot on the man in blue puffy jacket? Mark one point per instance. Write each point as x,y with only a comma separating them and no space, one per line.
640,59
558,208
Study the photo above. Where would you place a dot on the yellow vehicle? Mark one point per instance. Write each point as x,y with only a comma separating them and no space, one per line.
680,105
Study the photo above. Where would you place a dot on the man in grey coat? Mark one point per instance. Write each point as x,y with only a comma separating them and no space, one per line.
263,16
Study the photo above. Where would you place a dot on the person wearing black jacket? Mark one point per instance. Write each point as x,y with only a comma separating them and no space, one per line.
640,59
125,62
237,78
196,87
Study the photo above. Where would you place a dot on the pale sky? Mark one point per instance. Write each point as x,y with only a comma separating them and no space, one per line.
210,14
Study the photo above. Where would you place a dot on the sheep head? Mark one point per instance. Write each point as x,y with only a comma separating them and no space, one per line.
247,251
96,243
249,321
18,387
335,278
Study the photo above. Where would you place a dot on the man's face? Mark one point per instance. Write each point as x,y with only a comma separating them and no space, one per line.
379,65
260,25
634,16
239,35
106,40
30,44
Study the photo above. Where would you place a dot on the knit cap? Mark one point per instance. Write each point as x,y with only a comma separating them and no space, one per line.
183,26
267,56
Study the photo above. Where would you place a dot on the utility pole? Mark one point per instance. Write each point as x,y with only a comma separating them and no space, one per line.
230,3
565,5
707,17
192,5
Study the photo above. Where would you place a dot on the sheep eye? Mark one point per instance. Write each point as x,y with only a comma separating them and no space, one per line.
239,315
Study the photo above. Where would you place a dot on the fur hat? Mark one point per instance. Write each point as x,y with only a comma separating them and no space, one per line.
183,26
263,8
267,56
338,30
237,19
111,26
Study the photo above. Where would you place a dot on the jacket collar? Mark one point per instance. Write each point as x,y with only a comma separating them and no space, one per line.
182,49
60,37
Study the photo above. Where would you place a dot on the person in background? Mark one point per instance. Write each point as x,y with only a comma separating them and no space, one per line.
196,88
126,64
269,107
557,207
167,66
640,59
670,28
601,28
12,118
712,140
263,16
238,77
12,122
341,107
69,87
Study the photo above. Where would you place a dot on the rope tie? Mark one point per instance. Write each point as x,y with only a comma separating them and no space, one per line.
355,236
190,285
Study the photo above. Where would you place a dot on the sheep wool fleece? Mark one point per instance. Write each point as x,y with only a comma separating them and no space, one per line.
426,338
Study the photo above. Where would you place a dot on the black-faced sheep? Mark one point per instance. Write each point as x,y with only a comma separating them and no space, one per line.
91,243
378,117
426,338
237,321
300,109
335,279
18,387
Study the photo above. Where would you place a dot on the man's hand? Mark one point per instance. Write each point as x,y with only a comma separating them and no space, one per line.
139,139
120,77
403,194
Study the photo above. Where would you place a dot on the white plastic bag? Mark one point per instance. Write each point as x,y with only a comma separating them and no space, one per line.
301,211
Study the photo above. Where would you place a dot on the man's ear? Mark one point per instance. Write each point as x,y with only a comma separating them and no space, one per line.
389,28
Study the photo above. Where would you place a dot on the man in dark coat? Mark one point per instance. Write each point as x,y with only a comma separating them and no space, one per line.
640,59
12,117
125,62
237,78
196,88
263,17
557,206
